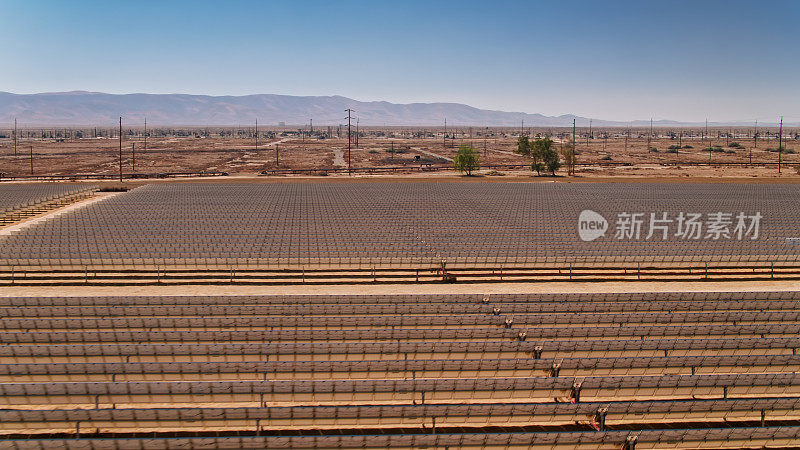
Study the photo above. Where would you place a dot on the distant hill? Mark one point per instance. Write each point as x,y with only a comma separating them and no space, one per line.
99,109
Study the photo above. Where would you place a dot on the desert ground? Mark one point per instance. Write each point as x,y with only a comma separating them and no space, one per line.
602,153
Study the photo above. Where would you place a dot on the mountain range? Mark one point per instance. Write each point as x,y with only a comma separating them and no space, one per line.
80,108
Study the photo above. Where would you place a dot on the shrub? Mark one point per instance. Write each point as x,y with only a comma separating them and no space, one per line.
494,173
672,150
687,147
673,147
653,149
606,158
372,151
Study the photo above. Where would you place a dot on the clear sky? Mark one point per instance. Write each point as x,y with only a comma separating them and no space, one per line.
616,60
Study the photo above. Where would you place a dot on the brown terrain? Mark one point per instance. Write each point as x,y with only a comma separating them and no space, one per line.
615,153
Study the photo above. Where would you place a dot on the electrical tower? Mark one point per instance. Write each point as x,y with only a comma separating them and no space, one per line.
780,144
349,138
120,149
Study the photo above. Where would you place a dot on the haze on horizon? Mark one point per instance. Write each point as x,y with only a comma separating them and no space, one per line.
624,60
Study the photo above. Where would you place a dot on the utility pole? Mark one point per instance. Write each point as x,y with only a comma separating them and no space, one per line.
31,160
590,133
15,136
357,121
349,116
680,142
710,152
311,124
256,133
392,150
145,134
120,149
780,144
755,141
522,127
444,135
133,157
755,135
627,135
276,156
572,150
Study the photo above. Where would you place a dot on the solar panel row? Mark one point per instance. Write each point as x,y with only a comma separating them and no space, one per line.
404,370
489,223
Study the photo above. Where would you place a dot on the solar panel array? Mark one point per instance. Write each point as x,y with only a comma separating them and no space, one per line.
18,198
493,223
366,371
15,196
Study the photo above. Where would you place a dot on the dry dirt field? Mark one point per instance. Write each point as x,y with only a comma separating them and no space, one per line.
615,153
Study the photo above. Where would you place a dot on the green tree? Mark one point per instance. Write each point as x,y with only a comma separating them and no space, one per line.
467,159
523,146
537,155
544,155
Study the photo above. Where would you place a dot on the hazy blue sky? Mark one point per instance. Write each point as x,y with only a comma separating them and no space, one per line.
619,60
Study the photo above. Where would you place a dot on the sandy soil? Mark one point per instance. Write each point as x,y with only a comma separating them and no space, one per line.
408,149
465,288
